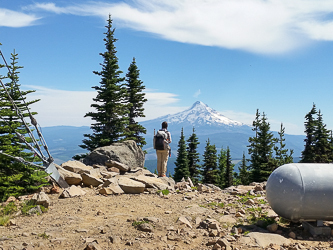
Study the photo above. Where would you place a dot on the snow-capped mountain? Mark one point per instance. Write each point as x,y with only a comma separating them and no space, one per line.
201,114
204,119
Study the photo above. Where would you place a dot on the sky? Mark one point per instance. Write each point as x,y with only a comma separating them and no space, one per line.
236,56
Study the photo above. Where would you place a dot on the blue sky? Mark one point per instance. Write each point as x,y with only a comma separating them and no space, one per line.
234,55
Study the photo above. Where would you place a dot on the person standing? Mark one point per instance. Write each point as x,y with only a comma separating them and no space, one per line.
163,155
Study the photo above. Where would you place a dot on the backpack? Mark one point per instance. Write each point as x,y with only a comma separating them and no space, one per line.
160,140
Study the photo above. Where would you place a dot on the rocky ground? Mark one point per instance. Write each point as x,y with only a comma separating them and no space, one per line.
234,218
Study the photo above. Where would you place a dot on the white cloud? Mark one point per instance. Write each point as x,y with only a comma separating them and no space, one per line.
61,107
271,26
197,93
14,19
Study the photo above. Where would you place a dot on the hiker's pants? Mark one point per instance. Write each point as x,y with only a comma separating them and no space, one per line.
162,161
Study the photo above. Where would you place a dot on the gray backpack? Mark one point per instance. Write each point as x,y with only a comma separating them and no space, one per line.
160,140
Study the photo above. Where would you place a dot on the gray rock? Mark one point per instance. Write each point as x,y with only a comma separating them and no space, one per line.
115,164
151,182
127,152
113,188
92,246
76,167
88,180
70,177
223,243
265,239
145,227
41,199
72,191
114,239
35,210
130,186
272,227
185,221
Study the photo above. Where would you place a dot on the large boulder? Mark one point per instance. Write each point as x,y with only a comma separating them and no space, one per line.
127,153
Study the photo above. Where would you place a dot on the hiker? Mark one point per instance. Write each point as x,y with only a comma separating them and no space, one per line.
162,155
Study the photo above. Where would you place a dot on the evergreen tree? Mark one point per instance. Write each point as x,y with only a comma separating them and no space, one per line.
229,170
193,157
243,172
136,99
281,153
222,165
181,162
253,149
210,171
111,115
16,178
309,154
261,150
323,147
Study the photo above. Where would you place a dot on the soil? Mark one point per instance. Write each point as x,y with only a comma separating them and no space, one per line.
112,222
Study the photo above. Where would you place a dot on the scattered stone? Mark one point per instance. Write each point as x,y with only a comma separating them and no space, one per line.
106,191
11,199
70,177
11,222
150,182
145,227
272,227
76,167
41,199
114,239
130,186
72,191
265,239
224,243
89,180
115,164
190,182
292,235
183,220
92,246
35,210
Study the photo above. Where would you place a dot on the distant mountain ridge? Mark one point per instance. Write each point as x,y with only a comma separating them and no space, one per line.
63,141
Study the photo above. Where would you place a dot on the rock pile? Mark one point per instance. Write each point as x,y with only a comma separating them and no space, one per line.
111,178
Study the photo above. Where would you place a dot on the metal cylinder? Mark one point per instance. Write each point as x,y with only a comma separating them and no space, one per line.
302,191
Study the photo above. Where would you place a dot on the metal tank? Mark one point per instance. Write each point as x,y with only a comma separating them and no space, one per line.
302,191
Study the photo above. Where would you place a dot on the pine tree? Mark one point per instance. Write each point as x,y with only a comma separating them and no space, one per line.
229,170
243,172
181,162
253,149
222,165
16,178
309,154
281,153
111,115
210,171
261,150
193,157
323,146
135,99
